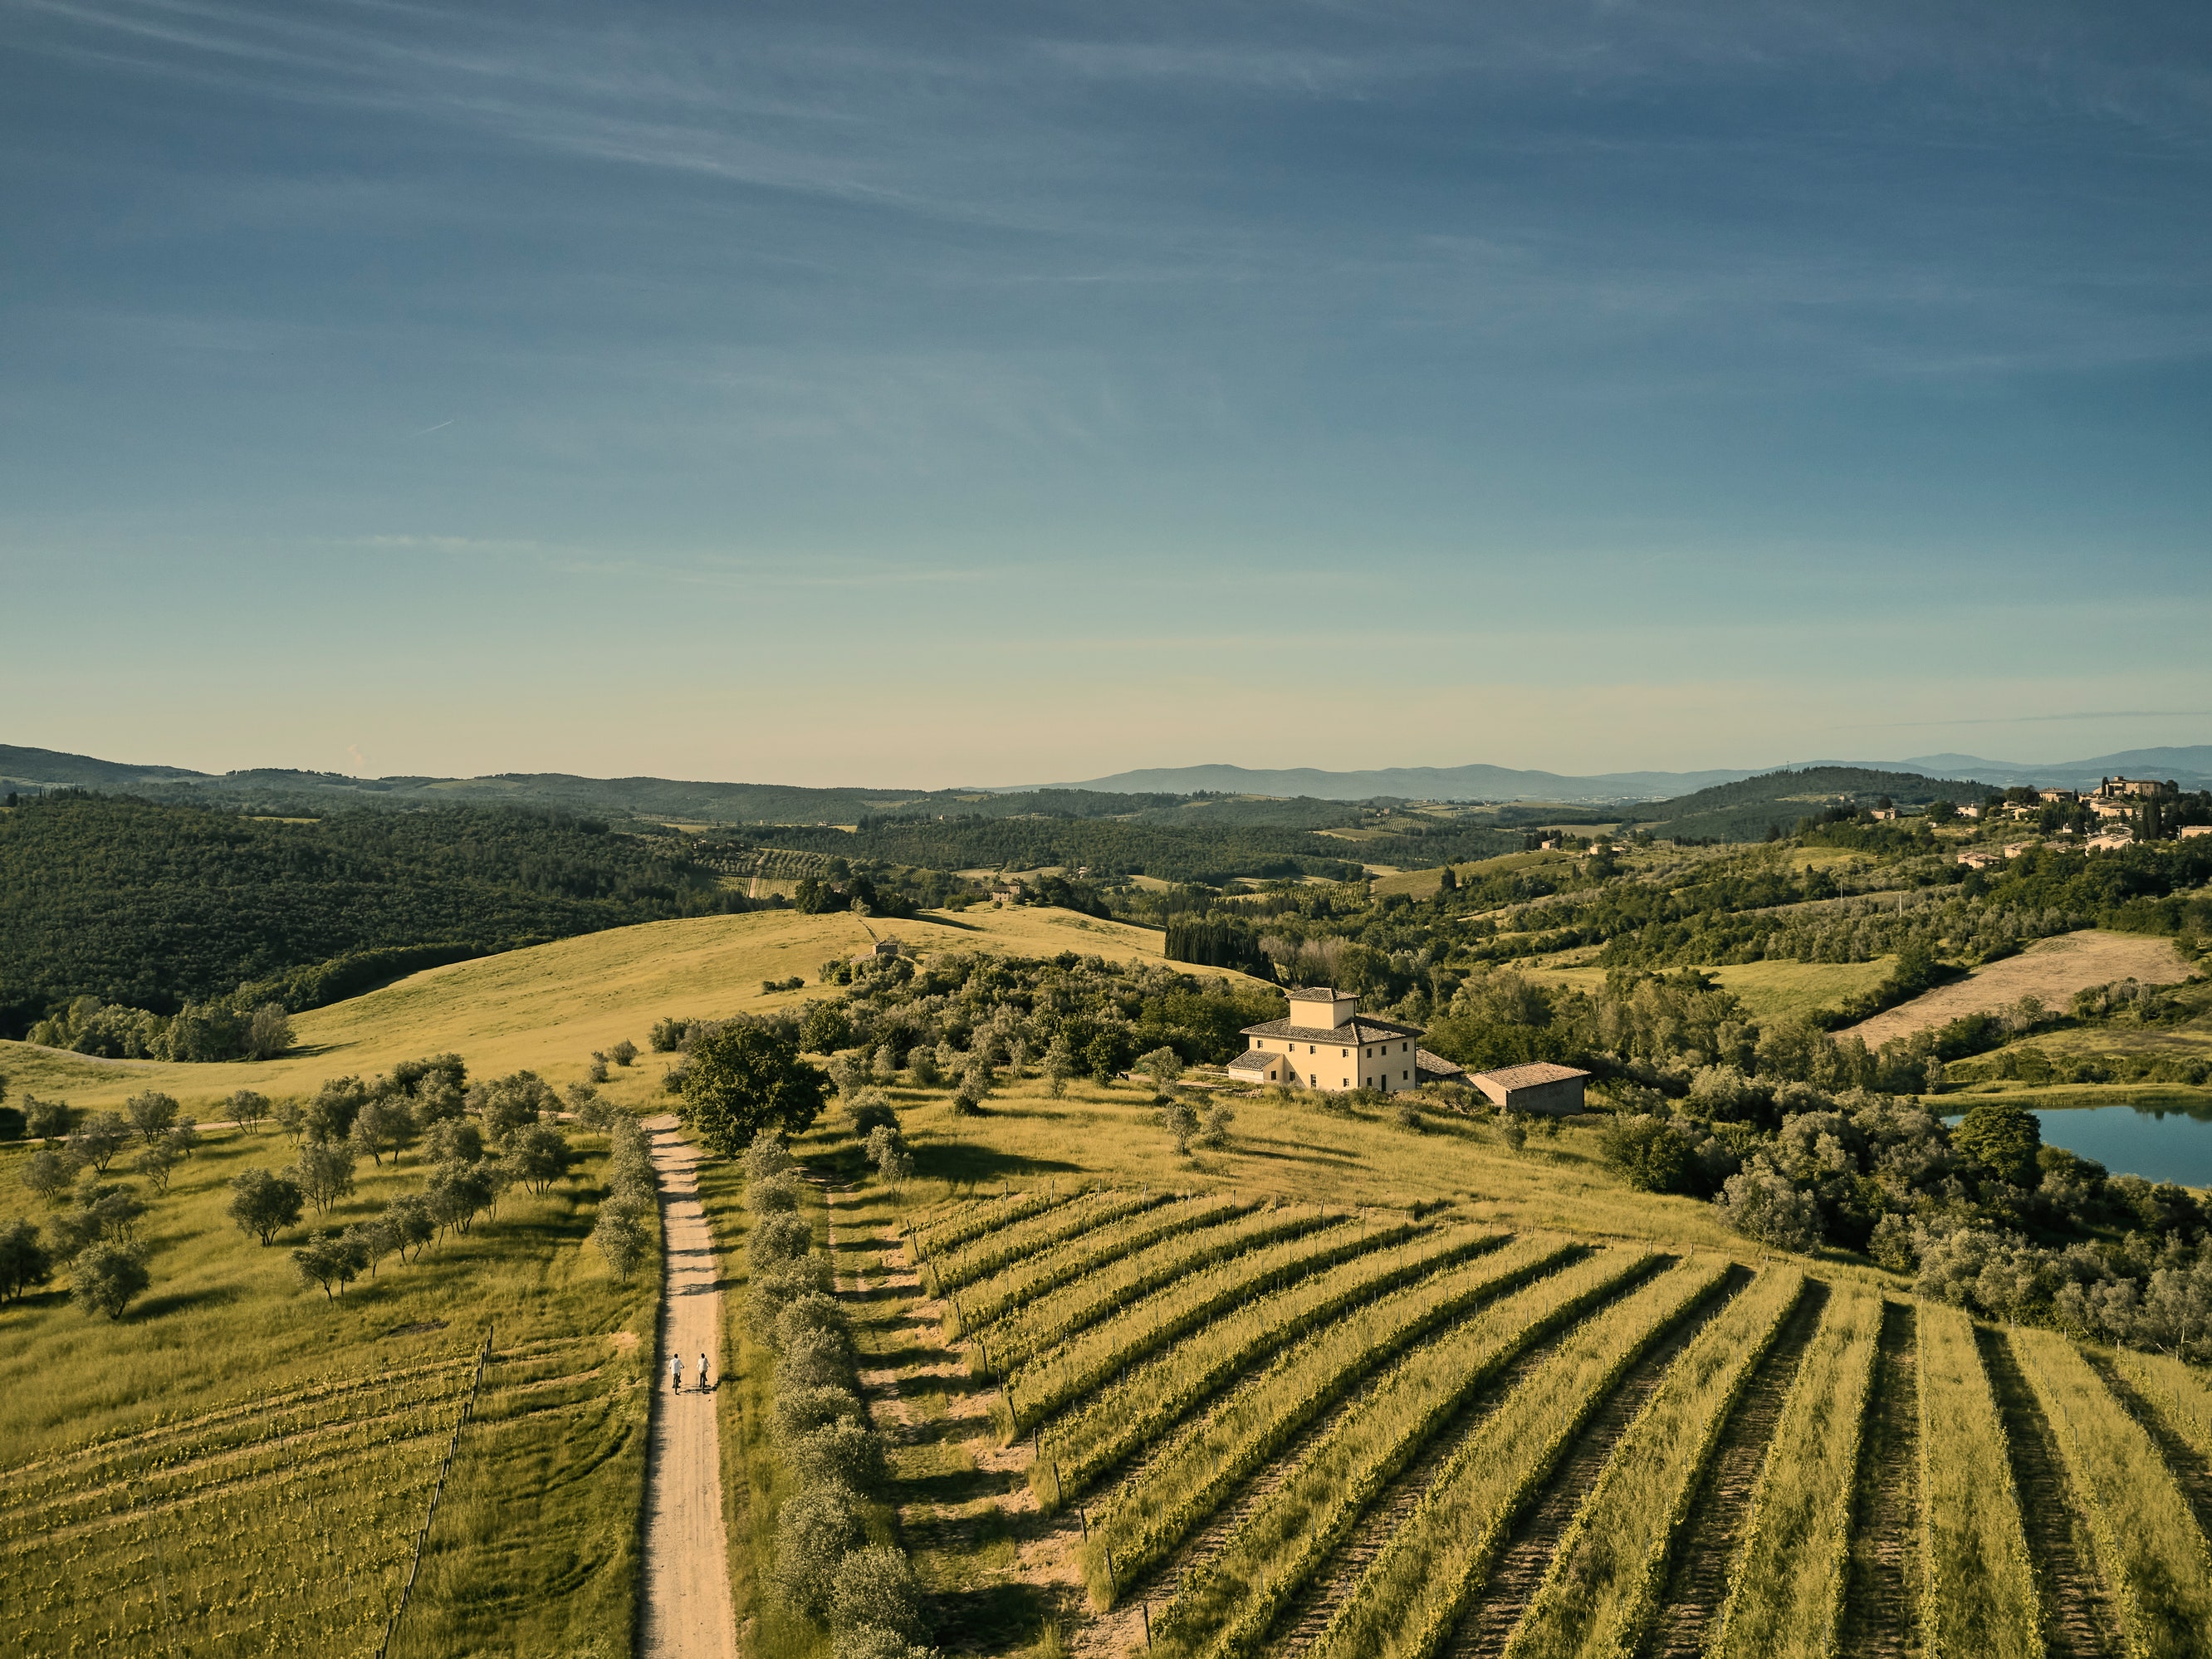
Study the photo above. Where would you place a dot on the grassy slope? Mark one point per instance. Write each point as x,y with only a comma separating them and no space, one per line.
226,1321
548,1008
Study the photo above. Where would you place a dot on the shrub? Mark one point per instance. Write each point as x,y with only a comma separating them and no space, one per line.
778,1238
813,1313
870,1112
874,1588
1761,1204
623,1054
814,1530
816,1360
801,1412
843,1452
767,1157
776,1194
1645,1152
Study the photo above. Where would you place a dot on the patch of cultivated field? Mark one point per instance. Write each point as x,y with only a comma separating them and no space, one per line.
549,1006
1275,1411
2051,969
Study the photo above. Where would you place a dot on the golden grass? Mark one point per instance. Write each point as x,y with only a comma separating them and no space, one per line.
548,1008
2153,1551
1603,1581
1414,1591
1786,1589
2178,1391
2051,969
226,1323
1980,1595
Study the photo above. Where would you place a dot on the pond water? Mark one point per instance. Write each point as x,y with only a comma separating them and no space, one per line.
2159,1143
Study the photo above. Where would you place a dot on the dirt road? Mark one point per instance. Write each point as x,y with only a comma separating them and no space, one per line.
688,1614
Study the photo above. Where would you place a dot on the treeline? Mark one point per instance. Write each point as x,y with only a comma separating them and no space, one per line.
826,1568
150,907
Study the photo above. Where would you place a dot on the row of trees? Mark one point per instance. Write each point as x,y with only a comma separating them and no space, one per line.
824,1567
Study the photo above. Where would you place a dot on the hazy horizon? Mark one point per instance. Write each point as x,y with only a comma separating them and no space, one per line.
1036,393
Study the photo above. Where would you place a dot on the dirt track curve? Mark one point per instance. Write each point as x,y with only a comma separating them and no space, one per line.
686,1614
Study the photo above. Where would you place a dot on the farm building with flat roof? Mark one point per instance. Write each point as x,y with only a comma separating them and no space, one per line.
1328,1043
1543,1087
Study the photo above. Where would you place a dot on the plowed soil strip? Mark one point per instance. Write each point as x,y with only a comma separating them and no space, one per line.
1878,1618
2190,1467
2080,1620
1708,1546
1305,1619
1520,1566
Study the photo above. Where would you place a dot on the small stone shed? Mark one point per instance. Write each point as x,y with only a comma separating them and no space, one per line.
1555,1091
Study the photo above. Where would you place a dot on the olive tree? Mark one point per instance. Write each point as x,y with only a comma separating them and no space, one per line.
44,1120
24,1261
48,1173
623,1238
151,1114
105,1277
262,1202
98,1139
326,1262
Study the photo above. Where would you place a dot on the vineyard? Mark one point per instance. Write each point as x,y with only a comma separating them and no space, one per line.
270,1525
1247,1427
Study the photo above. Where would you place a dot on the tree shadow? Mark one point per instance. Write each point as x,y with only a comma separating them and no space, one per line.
998,1618
965,1160
158,1307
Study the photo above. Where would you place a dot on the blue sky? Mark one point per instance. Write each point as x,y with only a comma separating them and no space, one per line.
928,395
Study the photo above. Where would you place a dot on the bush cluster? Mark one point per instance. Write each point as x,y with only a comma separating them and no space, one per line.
623,1234
824,1567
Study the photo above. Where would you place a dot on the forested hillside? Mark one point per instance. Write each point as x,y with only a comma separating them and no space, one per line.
150,905
1744,810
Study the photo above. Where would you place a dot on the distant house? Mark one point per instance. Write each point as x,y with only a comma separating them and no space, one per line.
1979,858
2014,849
882,950
2050,796
1881,814
1541,1086
2191,831
2111,840
1328,1043
2134,789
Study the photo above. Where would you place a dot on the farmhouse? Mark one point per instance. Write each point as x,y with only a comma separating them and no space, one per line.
1328,1043
882,950
1539,1087
2134,789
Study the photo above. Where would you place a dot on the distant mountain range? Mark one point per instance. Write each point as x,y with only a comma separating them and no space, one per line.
756,803
2191,767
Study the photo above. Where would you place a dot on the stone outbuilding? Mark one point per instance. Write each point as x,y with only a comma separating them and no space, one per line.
1541,1086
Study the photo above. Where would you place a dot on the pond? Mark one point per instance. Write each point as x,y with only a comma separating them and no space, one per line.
2162,1142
